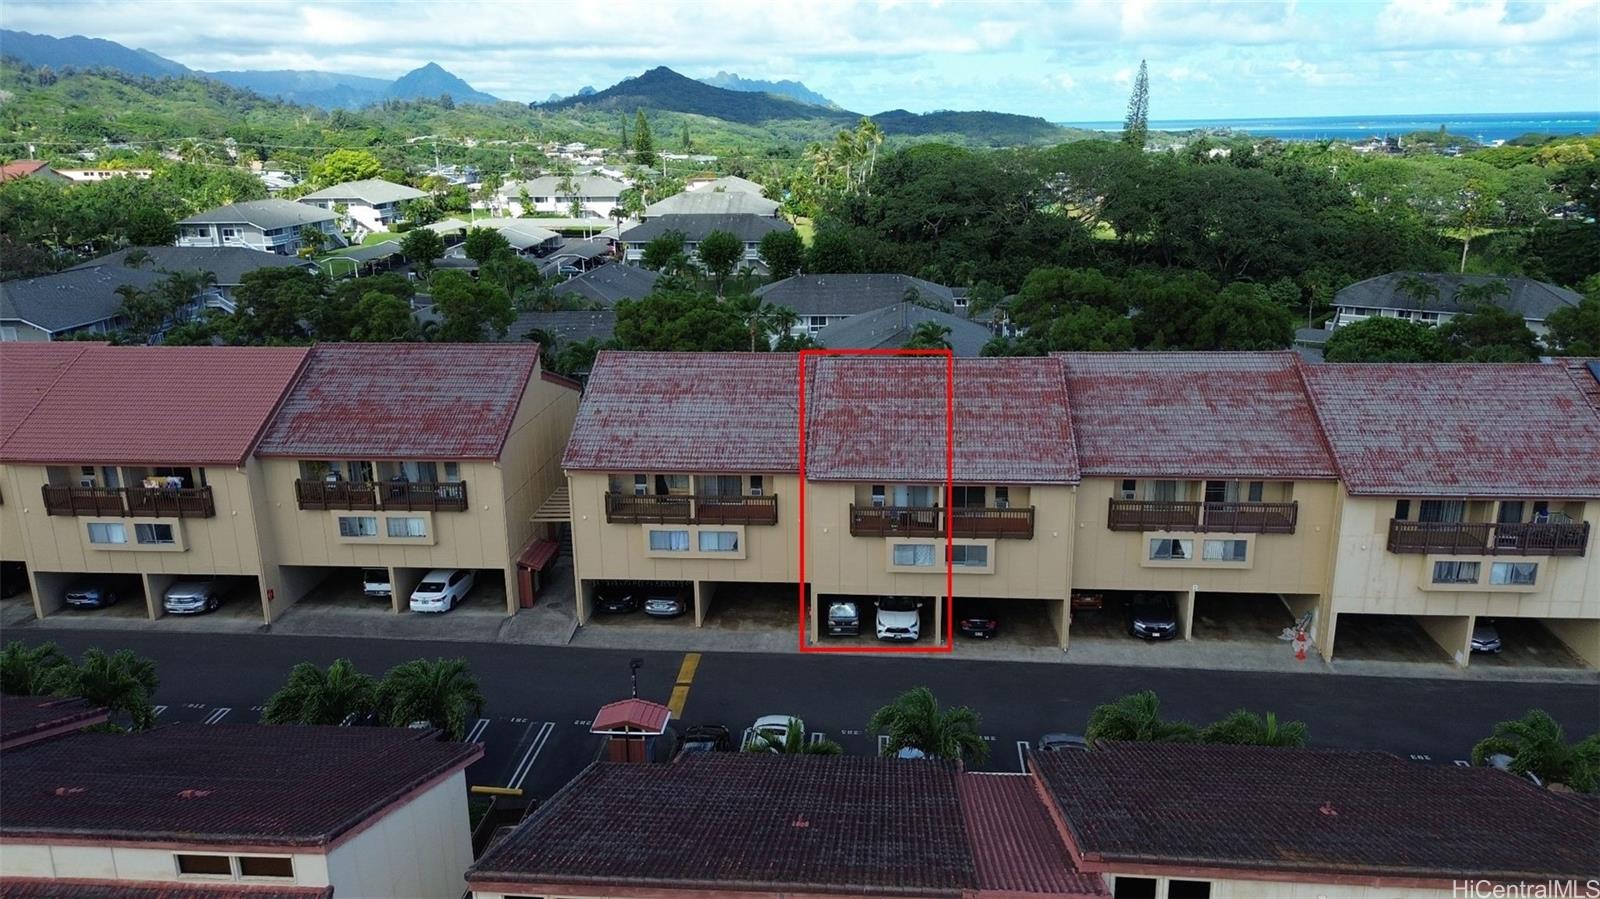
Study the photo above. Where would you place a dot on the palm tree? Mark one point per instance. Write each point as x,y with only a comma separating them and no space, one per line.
756,315
1245,728
1538,746
1418,288
915,720
783,320
314,696
29,670
442,692
1136,717
121,682
794,742
1487,292
929,335
138,257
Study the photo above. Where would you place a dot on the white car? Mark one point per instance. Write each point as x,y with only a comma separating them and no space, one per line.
899,619
774,729
441,589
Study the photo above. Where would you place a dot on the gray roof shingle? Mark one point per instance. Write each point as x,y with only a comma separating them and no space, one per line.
851,294
228,264
264,214
694,228
372,191
74,298
609,283
708,201
892,326
1528,298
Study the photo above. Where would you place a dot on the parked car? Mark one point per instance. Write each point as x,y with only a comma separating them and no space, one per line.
441,589
1062,743
774,729
707,738
1153,616
1084,601
616,599
375,582
1485,637
976,618
899,619
191,598
844,619
666,602
13,579
92,593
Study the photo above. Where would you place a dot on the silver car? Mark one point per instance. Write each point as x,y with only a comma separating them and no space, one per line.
191,598
1485,638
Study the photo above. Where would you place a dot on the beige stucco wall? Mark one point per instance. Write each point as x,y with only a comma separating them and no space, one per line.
1368,578
531,461
837,562
1297,563
12,547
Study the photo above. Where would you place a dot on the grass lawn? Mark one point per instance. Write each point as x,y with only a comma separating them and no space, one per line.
806,229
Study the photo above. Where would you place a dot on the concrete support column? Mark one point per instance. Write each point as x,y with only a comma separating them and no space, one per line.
155,589
1581,635
1453,633
1186,612
583,595
814,613
509,575
938,620
49,591
401,582
703,593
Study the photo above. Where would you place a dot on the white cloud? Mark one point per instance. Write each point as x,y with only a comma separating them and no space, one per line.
1486,23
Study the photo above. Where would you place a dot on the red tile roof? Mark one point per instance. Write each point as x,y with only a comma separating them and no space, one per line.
230,784
403,401
688,412
27,370
1314,813
1586,374
150,405
1015,844
1194,415
20,168
29,719
1458,430
885,417
631,714
29,888
751,822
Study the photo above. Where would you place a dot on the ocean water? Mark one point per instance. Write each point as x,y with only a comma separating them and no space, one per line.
1482,127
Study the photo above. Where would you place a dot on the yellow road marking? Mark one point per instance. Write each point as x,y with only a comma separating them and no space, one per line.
680,692
680,695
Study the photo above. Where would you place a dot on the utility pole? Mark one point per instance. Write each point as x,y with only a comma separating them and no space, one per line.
633,672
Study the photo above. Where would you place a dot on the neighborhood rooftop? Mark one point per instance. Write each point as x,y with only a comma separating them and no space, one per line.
694,228
268,215
1332,814
1526,297
185,405
893,325
1194,415
411,400
550,186
851,294
37,888
223,784
609,283
885,417
228,264
1464,430
688,412
372,191
73,298
707,201
27,372
26,719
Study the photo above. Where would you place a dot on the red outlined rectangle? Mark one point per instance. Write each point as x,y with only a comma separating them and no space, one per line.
949,483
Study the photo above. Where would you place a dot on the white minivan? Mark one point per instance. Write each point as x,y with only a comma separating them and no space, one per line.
899,619
441,589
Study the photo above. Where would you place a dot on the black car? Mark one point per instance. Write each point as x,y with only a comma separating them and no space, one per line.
91,593
616,599
1153,617
707,738
13,579
976,619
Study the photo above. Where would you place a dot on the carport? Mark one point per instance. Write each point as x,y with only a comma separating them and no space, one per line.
1540,642
1240,617
50,595
1034,623
1401,638
1110,620
239,596
747,606
487,596
331,587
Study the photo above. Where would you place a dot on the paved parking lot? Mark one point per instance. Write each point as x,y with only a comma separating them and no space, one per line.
1242,617
1384,638
1525,643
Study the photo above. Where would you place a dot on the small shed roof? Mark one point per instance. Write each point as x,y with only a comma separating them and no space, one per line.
631,716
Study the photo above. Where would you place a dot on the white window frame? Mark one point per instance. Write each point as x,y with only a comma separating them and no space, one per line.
718,537
915,553
358,532
1242,545
411,527
671,539
1501,573
1185,543
108,529
1459,567
961,555
139,530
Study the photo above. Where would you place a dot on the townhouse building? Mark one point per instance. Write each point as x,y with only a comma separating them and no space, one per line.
596,195
273,472
371,204
271,226
749,228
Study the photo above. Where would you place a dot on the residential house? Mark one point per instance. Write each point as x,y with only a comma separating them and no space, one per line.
272,226
821,300
371,205
524,235
607,284
725,183
1205,477
565,327
893,325
66,304
237,811
555,194
1444,295
18,169
748,228
712,201
25,720
807,826
228,265
84,176
1466,492
576,256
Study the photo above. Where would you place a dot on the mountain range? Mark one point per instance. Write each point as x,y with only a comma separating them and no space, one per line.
794,90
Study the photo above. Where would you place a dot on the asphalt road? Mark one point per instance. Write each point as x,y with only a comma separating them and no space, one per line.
540,699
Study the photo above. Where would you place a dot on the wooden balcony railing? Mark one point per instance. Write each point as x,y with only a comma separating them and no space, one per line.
929,521
130,502
419,496
626,508
325,494
1224,517
1464,538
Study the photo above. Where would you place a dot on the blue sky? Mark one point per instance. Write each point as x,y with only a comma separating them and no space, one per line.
1069,60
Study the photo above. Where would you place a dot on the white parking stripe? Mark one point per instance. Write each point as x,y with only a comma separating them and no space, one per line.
1022,756
477,730
158,710
818,736
531,756
216,716
349,719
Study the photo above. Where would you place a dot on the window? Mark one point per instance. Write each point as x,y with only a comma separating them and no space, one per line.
358,526
1171,549
964,556
107,532
817,323
452,472
206,865
721,485
160,534
1226,550
408,527
1002,497
669,541
1402,509
1133,887
719,541
641,485
757,485
1222,491
1451,510
1510,512
266,866
1455,572
918,555
966,497
1521,574
877,496
1130,489
672,485
1164,491
1188,889
1256,490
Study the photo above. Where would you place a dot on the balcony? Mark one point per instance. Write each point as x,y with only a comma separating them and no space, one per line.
627,508
1223,517
130,502
394,496
929,521
1460,538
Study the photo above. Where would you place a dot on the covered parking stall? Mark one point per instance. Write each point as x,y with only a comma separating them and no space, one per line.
239,599
340,587
50,594
745,605
490,593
